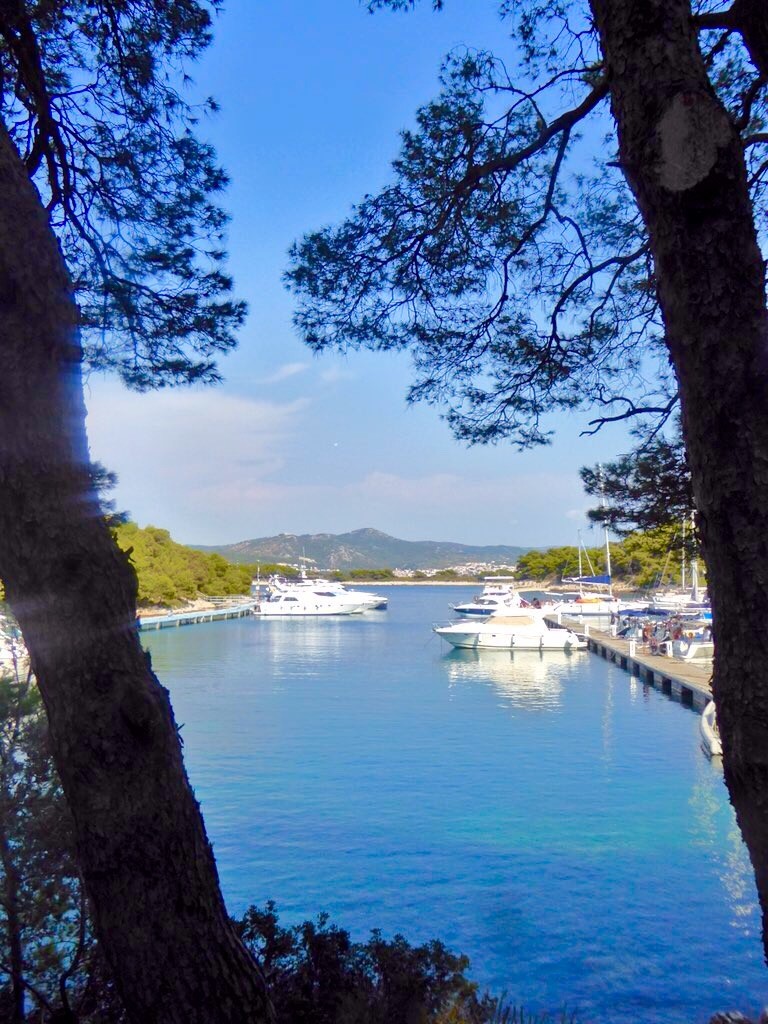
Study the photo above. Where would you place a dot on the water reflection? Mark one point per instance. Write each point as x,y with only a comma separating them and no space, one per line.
530,679
713,821
305,640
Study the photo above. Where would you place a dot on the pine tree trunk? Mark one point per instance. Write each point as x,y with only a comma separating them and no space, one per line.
147,864
684,162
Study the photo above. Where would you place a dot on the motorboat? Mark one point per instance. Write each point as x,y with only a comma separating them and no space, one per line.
368,599
299,599
710,734
692,640
372,601
498,597
678,601
525,630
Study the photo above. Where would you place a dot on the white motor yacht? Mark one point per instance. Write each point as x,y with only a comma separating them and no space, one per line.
524,630
367,598
277,584
498,597
494,600
300,599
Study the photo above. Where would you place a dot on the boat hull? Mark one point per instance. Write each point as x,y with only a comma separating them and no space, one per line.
710,734
479,641
506,636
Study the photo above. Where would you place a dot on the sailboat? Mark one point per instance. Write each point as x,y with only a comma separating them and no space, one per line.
692,601
600,600
595,595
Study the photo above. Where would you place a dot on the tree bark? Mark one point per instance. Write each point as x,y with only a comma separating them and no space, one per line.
146,861
683,159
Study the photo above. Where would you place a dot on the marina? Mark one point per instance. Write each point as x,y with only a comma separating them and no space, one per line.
687,681
549,814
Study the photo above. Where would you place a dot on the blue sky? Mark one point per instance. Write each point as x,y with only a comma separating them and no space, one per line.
313,96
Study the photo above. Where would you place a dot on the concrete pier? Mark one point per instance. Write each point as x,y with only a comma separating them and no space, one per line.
686,681
232,611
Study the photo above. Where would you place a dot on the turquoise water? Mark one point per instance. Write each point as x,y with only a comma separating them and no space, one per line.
549,816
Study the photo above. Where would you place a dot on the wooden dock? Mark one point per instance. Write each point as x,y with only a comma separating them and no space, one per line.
690,682
189,618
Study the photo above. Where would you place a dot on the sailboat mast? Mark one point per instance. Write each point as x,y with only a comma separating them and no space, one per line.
605,531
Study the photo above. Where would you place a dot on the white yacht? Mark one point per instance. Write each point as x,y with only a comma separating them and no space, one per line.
524,630
301,600
370,600
497,597
361,600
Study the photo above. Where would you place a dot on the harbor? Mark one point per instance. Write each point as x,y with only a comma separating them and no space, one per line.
544,812
686,681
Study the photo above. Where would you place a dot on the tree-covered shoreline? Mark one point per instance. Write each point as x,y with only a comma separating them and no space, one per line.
170,574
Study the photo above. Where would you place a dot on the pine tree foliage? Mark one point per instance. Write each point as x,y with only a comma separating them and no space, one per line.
644,489
169,573
93,95
643,559
49,960
512,264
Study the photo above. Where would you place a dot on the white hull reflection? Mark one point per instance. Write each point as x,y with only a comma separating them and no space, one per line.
526,679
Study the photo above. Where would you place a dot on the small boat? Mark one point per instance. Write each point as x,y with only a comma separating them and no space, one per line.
710,734
525,630
692,640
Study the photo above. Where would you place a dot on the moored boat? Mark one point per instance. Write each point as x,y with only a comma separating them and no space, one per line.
498,596
710,734
327,588
692,641
523,630
290,600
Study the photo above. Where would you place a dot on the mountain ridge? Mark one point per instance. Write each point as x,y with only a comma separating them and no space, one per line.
366,548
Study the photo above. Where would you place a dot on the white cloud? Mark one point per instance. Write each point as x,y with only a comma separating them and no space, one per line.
182,455
334,374
285,372
213,468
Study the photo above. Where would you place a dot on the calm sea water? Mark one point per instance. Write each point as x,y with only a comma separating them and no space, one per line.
549,816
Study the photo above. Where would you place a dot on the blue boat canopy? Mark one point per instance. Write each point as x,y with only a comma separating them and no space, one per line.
588,579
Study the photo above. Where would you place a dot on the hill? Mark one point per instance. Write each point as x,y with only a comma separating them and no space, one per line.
364,549
169,573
